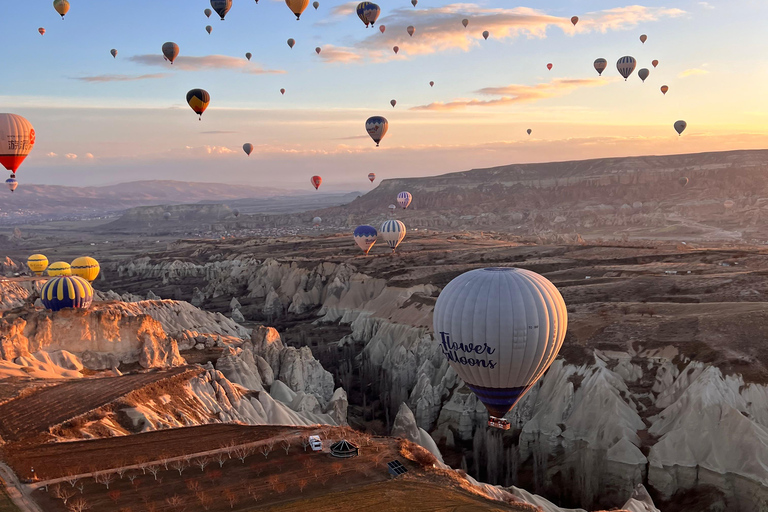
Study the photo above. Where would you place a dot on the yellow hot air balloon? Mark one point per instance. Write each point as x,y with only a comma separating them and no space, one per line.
297,6
60,268
37,263
86,267
61,6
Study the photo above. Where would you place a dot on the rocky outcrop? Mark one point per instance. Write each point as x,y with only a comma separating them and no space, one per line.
405,426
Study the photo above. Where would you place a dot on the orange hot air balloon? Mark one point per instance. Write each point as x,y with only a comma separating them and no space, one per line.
18,139
42,31
664,89
655,63
575,20
395,49
643,38
549,66
316,181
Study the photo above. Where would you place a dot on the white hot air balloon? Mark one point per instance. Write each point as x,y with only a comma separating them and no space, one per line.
365,237
316,221
500,329
393,232
626,65
404,199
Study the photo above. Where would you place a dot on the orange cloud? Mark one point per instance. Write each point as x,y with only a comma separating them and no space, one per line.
193,63
692,72
332,53
516,93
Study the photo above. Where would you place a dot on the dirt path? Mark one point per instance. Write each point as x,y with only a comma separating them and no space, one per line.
16,491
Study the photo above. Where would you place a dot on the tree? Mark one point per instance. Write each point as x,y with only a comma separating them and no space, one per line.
231,498
221,458
194,485
287,442
175,501
302,484
180,465
78,505
131,477
114,495
104,479
154,470
204,500
273,482
202,462
305,442
72,480
253,492
63,493
242,452
265,449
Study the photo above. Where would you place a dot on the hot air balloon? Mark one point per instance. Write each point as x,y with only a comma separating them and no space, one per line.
392,209
664,89
643,38
318,50
372,177
393,232
42,31
37,263
395,49
86,267
729,204
66,292
393,103
368,12
404,199
18,139
12,184
208,29
683,181
316,5
291,42
59,268
655,63
198,100
414,2
411,30
377,127
236,213
643,74
167,215
549,66
170,51
208,13
316,221
431,84
574,20
113,52
600,65
680,126
500,329
626,65
61,6
486,35
365,237
248,148
382,28
316,181
248,55
221,7
529,131
465,22
282,91
297,7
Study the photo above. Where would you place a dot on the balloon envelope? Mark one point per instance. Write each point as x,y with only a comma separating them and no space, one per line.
549,66
465,22
41,30
395,49
393,232
404,199
282,91
600,65
248,55
248,148
170,51
208,13
382,28
643,74
315,5
365,237
113,52
643,38
61,6
411,30
529,131
66,292
431,84
368,12
37,263
655,63
12,184
316,181
500,329
372,177
291,42
297,6
198,100
575,20
664,89
680,126
729,204
393,103
318,50
316,221
17,138
683,181
626,65
486,35
86,267
221,7
377,127
59,268
209,29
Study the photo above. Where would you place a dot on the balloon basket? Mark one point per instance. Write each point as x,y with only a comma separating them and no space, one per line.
499,423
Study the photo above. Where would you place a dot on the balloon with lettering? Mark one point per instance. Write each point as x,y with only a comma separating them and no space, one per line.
626,65
377,127
365,237
600,65
17,138
61,6
680,127
170,51
368,12
500,329
404,199
297,7
221,7
393,232
316,181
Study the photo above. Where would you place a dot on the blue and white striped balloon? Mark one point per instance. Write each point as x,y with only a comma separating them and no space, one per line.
393,232
500,329
404,199
626,65
365,237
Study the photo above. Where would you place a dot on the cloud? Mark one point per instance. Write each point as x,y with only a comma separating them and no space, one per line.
70,156
332,53
51,155
345,9
515,93
706,5
218,132
89,156
693,72
209,150
207,62
119,78
355,137
440,29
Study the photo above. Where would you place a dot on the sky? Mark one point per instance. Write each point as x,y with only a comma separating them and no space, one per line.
103,120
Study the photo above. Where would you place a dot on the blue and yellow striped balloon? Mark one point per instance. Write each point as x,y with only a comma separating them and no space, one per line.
66,292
